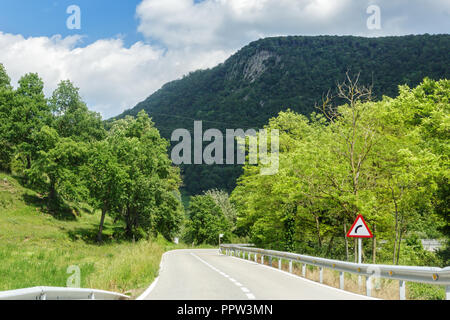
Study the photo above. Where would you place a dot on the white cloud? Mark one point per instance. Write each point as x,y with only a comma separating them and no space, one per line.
194,35
111,77
229,24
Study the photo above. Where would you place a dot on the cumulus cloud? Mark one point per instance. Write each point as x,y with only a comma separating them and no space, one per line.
185,35
111,77
232,23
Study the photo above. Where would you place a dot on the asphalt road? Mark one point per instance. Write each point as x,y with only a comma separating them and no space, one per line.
208,275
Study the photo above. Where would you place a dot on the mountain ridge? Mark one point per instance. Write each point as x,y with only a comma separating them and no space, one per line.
273,74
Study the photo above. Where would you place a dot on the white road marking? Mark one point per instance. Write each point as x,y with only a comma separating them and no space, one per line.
153,285
304,279
247,291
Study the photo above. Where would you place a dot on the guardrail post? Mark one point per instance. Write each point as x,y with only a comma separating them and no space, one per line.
369,286
397,273
321,275
91,296
402,286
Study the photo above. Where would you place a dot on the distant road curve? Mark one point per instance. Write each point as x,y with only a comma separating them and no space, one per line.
204,274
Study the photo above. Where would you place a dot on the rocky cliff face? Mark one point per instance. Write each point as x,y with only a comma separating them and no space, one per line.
275,74
256,66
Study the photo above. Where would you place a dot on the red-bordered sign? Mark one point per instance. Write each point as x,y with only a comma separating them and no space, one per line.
359,229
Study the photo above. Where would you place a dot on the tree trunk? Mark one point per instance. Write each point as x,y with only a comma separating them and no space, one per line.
28,162
362,252
102,221
128,227
399,243
290,233
346,242
330,245
396,226
374,245
356,250
319,239
52,196
52,190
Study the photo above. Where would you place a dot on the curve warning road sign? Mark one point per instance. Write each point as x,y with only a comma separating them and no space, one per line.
359,229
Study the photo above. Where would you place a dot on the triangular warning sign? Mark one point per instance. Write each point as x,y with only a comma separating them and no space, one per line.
359,229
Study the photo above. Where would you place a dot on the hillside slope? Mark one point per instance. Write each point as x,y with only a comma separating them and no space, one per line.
36,248
278,73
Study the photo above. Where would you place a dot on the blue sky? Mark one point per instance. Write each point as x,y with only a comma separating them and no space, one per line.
100,18
128,49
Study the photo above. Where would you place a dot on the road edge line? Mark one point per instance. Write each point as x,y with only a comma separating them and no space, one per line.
155,281
308,280
153,284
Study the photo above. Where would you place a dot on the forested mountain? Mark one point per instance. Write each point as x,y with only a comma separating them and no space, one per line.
274,74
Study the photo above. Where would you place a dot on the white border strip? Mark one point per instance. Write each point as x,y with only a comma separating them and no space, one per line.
161,265
304,279
153,285
246,291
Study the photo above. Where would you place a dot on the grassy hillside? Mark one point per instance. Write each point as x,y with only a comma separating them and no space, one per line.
274,74
36,248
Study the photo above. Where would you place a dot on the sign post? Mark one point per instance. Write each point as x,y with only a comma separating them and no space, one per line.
220,237
359,230
359,250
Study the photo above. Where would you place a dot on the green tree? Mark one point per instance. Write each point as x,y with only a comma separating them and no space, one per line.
5,80
72,117
206,221
385,160
58,170
222,199
6,98
28,114
106,180
151,201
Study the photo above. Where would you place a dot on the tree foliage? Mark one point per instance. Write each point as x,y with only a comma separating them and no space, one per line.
288,72
387,160
206,222
62,150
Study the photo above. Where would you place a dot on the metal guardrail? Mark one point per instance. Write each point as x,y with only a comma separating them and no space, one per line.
430,275
54,293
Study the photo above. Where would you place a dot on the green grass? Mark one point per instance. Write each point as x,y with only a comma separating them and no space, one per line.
37,248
